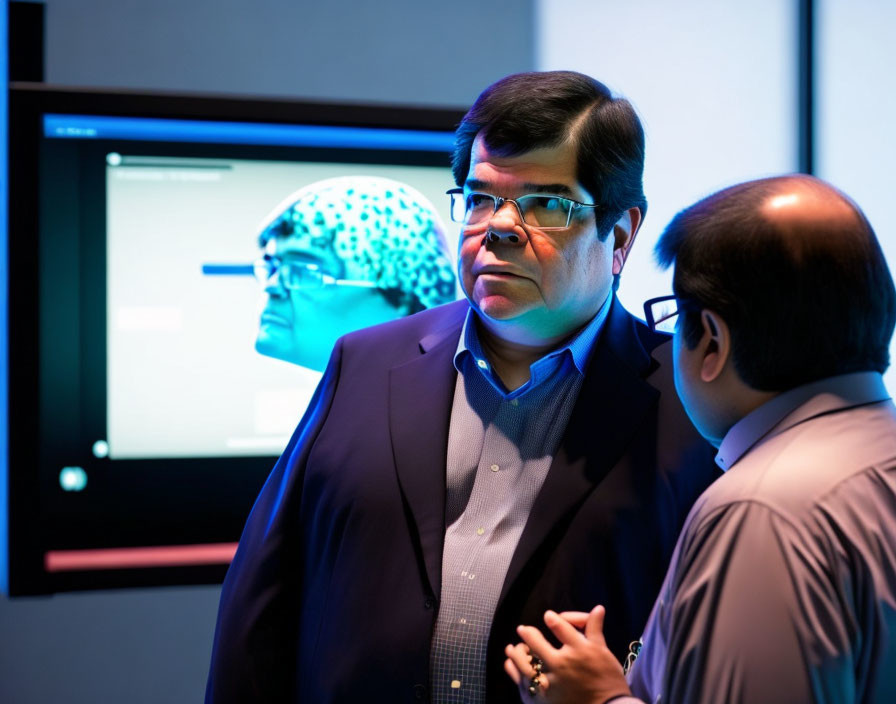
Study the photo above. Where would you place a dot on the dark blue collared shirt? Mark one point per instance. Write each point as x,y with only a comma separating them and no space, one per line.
578,348
500,447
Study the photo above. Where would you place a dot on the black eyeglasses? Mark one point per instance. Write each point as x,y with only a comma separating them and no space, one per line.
546,212
661,313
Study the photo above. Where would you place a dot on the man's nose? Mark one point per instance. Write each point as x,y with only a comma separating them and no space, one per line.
506,226
274,287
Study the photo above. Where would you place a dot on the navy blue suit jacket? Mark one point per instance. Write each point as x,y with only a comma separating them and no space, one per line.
334,590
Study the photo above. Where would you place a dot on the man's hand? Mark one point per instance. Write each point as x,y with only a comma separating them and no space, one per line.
581,671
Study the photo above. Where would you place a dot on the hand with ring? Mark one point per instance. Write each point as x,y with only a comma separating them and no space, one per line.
534,683
527,671
581,671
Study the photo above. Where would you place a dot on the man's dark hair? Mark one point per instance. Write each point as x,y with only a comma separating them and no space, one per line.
527,111
805,290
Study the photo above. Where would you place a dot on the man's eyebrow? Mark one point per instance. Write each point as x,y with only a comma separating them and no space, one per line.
560,189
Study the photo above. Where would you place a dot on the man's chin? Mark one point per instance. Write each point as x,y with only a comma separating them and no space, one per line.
501,308
511,321
526,324
271,343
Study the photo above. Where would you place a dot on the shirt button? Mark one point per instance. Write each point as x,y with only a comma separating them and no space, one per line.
482,364
428,603
480,531
495,468
455,684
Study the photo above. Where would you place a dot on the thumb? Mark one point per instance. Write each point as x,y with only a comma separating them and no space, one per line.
594,626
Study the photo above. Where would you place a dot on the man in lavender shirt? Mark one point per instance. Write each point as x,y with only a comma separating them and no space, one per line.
782,587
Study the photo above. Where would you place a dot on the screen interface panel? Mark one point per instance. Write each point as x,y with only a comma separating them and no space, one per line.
192,277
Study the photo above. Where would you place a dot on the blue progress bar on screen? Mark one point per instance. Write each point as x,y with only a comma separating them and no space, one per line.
150,129
228,270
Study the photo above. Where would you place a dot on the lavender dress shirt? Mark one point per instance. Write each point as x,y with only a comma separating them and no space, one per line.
782,587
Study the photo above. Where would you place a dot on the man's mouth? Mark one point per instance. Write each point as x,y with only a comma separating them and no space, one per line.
274,319
499,273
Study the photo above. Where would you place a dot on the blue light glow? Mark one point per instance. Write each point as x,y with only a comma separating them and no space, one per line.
73,479
100,449
206,131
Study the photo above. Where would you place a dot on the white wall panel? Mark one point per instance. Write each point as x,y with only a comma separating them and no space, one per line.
856,111
714,83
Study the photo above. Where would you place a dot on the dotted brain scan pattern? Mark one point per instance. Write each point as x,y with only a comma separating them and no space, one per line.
380,230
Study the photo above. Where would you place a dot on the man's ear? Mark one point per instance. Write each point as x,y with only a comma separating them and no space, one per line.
714,345
624,232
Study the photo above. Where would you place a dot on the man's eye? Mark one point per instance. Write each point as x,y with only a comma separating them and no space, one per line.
478,200
551,203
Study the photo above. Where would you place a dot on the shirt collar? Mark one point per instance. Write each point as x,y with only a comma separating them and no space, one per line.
796,405
578,348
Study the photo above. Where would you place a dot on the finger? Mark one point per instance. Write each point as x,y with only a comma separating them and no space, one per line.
519,656
594,628
576,618
566,633
538,644
512,670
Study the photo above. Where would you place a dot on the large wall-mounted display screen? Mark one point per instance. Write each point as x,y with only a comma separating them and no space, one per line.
180,268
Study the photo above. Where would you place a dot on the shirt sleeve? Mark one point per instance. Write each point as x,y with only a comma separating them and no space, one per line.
757,614
253,655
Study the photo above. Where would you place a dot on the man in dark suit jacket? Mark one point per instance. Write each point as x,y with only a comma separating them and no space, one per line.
461,470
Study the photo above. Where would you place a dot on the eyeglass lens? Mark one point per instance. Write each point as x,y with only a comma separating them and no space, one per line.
293,275
535,210
665,315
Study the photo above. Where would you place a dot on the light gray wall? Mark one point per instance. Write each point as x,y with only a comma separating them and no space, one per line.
152,646
412,51
147,646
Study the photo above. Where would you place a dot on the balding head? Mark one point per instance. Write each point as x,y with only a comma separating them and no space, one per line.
794,268
801,204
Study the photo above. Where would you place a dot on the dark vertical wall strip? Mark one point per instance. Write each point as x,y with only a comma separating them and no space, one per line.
4,306
26,41
806,86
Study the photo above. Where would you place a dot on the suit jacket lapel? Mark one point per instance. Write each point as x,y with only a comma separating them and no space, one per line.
613,399
420,400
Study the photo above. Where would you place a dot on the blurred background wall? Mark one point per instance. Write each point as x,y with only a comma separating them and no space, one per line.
717,85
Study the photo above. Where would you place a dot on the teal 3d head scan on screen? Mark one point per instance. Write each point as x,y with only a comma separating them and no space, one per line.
345,253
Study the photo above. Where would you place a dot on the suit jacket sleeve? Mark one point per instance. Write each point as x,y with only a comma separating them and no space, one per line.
253,656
